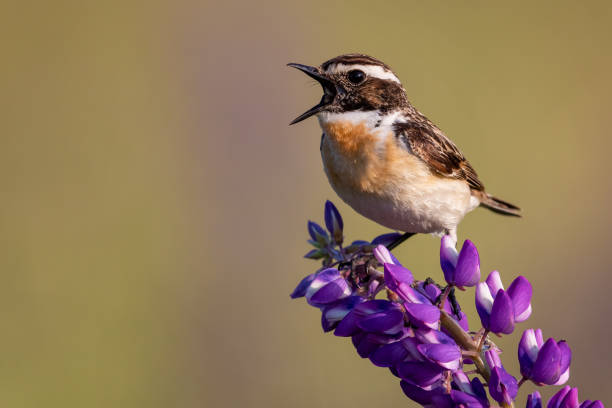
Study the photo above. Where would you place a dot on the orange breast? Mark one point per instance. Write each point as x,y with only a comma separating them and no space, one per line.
349,139
357,158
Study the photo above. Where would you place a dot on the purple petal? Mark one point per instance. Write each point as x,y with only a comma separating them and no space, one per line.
520,292
422,315
368,343
566,356
593,404
467,272
479,391
462,381
327,287
425,398
539,338
462,399
555,400
420,373
348,326
534,400
317,233
546,369
396,274
334,313
300,289
333,221
375,306
570,400
411,345
502,314
502,386
566,360
448,258
431,291
527,352
380,316
383,255
494,283
492,358
389,355
412,295
446,356
484,303
471,393
434,337
388,322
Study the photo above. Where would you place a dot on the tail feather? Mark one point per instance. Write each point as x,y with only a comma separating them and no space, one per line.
499,206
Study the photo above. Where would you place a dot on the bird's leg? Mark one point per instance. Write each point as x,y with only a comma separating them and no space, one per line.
398,241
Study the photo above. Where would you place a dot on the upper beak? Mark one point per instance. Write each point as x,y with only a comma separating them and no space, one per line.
329,90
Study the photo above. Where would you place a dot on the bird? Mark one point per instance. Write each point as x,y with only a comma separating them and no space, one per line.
385,159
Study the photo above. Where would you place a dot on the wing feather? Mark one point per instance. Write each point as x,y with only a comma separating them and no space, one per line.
428,143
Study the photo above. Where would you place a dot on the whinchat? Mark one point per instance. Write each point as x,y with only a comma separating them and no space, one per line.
386,159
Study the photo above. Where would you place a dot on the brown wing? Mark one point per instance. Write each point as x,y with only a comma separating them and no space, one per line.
428,143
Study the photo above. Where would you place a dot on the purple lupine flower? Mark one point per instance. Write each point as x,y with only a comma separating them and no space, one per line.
460,269
534,400
439,348
398,279
327,287
434,397
333,313
414,367
592,404
498,309
423,315
300,289
544,362
390,354
432,293
418,301
396,276
470,393
405,333
383,255
379,316
566,397
318,235
502,386
420,311
333,222
367,343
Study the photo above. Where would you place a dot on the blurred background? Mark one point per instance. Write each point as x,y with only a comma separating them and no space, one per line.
153,200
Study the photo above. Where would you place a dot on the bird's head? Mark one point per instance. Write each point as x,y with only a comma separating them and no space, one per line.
354,82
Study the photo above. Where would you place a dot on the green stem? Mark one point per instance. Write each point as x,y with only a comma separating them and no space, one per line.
465,341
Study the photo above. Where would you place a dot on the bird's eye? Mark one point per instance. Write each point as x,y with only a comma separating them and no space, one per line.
356,76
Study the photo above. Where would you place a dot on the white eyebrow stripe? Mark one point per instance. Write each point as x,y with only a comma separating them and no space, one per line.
375,71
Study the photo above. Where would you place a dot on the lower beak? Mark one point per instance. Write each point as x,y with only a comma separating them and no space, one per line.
329,91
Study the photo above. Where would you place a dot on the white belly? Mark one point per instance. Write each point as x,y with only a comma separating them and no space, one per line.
394,188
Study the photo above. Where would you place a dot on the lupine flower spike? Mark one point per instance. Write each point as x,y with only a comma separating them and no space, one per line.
418,330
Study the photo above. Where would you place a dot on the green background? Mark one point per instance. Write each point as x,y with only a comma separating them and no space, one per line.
153,200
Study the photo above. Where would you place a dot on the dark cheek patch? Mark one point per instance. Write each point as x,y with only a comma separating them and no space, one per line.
375,94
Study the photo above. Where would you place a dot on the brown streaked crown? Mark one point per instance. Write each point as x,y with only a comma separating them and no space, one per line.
356,59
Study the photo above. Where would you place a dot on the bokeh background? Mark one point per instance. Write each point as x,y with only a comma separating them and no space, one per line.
153,200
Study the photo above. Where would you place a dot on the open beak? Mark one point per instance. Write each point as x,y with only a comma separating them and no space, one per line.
329,91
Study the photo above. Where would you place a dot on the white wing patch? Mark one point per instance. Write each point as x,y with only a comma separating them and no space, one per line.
375,71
